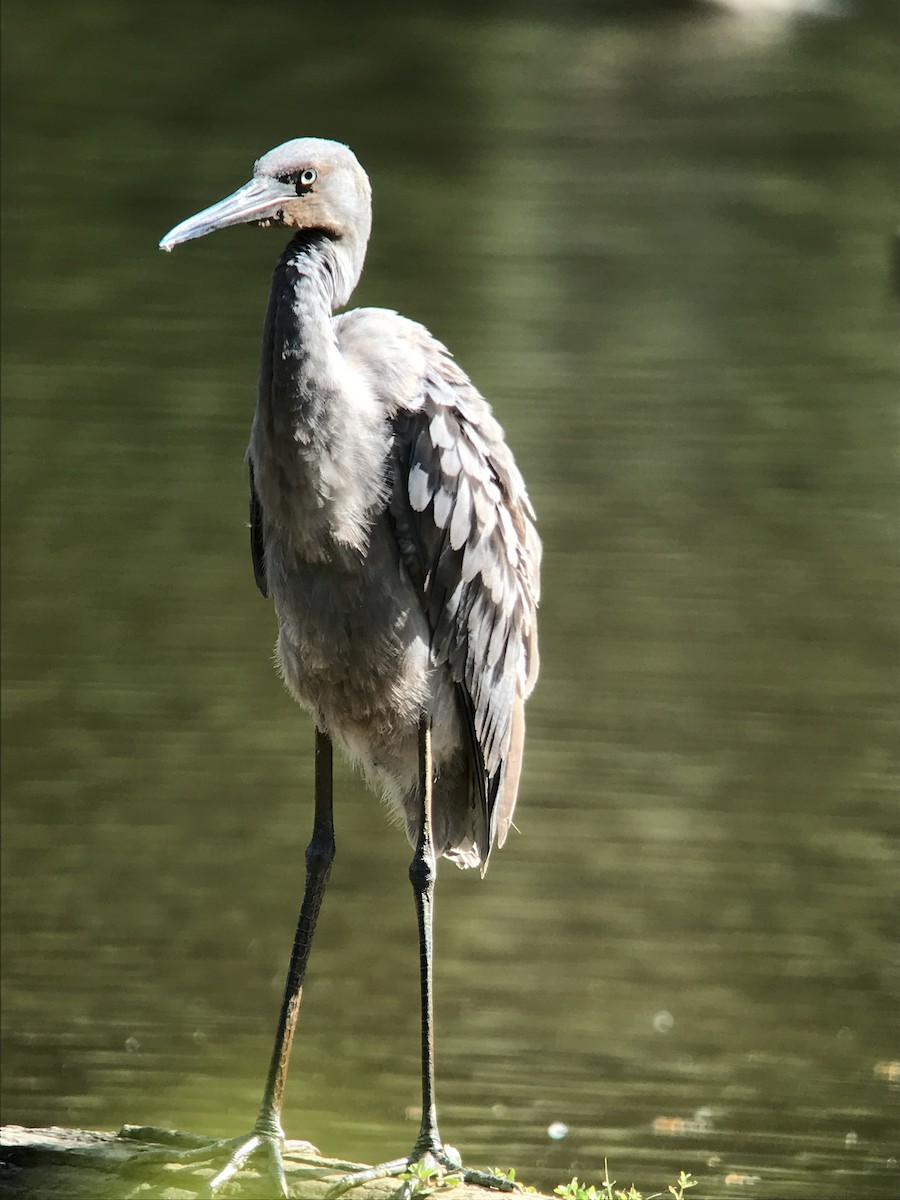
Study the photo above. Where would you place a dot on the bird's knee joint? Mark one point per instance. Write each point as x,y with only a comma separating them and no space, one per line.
422,871
319,856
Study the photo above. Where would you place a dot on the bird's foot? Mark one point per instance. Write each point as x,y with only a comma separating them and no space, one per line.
184,1149
422,1173
271,1145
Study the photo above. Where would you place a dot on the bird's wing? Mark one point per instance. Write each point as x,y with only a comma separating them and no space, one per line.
257,545
464,526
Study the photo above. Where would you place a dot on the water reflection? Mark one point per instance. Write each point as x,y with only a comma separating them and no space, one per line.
661,250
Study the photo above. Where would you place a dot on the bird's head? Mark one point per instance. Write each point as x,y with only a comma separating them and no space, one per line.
307,183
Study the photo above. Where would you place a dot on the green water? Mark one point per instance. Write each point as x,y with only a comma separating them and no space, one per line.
659,244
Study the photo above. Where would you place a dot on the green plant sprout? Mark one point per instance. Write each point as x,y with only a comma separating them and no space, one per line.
426,1176
608,1190
510,1175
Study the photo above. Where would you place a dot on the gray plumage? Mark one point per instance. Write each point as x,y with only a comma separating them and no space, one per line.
391,527
389,522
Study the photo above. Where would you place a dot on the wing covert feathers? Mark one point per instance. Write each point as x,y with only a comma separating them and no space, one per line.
464,526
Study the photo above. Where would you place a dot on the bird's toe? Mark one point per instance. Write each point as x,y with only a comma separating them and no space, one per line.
422,1173
178,1149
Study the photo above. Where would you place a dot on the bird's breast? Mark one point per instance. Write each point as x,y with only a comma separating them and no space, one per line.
353,640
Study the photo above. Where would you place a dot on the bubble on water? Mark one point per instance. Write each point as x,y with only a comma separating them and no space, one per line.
663,1021
851,1139
557,1130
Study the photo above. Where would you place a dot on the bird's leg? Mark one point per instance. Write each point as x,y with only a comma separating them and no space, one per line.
268,1134
429,1151
319,857
422,874
267,1131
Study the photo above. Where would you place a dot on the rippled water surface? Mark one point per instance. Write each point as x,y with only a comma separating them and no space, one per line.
660,246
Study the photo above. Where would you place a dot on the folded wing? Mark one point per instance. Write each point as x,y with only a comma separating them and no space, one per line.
464,526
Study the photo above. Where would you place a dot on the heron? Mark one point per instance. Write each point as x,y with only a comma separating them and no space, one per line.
391,527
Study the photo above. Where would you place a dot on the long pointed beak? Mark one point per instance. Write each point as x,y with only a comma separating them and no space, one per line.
258,200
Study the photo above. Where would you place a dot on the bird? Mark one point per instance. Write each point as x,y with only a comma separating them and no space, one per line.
391,528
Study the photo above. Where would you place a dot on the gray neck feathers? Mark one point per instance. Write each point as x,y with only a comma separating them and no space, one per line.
301,365
305,442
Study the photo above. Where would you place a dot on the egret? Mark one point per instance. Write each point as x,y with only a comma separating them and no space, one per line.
391,528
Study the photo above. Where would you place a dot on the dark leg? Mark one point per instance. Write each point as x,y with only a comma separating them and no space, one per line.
319,857
428,1148
422,874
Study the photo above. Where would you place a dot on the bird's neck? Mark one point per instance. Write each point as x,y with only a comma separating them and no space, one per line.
300,361
305,441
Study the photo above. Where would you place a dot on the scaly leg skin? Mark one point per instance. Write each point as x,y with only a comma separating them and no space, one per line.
429,1157
267,1136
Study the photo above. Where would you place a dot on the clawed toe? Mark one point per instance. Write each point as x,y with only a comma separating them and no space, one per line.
385,1170
267,1143
186,1149
426,1172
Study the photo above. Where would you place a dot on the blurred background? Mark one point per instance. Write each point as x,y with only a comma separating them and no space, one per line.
658,238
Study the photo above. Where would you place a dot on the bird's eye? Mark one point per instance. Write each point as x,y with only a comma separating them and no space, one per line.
306,179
